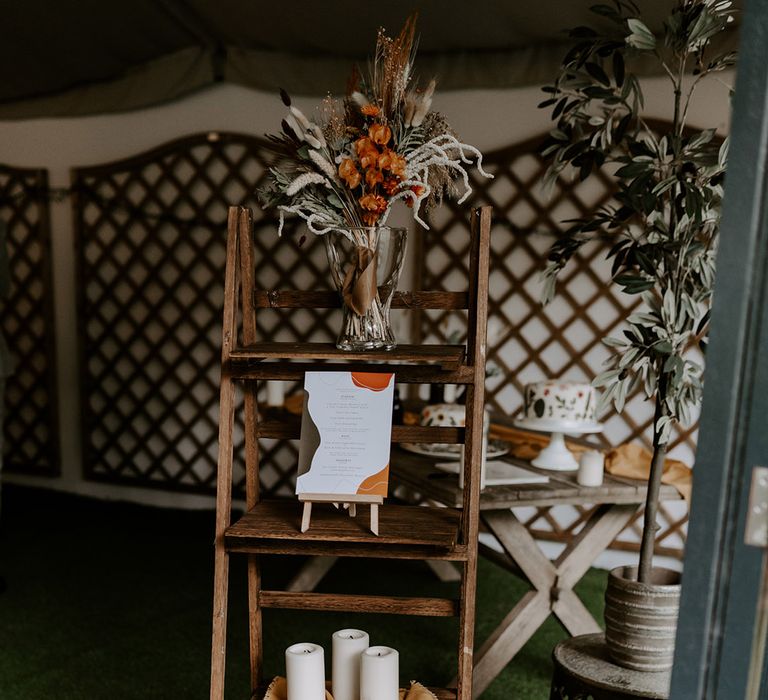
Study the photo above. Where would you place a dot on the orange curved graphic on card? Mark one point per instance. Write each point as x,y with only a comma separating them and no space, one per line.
375,381
375,485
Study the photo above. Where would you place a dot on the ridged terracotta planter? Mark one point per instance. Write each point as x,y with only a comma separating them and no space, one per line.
641,618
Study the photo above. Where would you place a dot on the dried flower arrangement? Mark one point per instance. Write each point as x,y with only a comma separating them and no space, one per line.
382,143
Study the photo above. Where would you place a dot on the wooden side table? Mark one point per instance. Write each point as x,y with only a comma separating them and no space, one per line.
552,582
583,670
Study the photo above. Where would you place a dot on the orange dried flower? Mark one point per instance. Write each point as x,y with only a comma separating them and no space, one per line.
364,144
370,110
373,206
369,158
397,167
380,134
349,173
385,160
389,160
417,190
373,177
390,185
374,203
366,151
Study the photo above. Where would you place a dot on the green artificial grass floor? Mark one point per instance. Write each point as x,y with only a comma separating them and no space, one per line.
111,600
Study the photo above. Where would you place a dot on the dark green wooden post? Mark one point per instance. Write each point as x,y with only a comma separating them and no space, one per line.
722,575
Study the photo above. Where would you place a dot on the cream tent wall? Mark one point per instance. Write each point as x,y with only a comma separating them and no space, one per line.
488,118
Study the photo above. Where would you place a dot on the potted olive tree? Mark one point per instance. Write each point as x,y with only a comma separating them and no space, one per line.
669,185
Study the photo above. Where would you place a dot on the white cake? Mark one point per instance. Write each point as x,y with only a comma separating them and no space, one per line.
560,401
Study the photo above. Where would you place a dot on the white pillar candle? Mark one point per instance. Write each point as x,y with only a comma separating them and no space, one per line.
305,672
449,396
348,645
275,393
379,674
591,466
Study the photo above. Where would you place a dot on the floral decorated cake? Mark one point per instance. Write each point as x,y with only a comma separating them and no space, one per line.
561,401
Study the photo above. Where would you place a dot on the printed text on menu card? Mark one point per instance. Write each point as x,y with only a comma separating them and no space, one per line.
346,429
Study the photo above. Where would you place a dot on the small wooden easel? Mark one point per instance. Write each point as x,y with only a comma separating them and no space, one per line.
348,500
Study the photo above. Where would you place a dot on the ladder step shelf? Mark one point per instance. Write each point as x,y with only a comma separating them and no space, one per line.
405,532
327,602
246,367
447,356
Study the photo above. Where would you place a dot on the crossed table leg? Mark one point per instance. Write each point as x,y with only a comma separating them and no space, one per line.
552,583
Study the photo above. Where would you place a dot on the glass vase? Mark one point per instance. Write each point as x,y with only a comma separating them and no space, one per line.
365,266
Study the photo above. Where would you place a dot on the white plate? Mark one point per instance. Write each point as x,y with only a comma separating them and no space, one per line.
552,425
500,473
496,448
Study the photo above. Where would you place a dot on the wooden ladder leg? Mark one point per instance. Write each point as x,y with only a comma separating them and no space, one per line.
476,350
250,404
221,558
254,621
352,510
375,518
218,644
466,630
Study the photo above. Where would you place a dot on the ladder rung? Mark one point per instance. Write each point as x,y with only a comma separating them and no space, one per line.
426,607
406,374
296,299
285,430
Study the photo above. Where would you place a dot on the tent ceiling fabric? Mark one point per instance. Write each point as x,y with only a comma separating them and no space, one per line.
77,57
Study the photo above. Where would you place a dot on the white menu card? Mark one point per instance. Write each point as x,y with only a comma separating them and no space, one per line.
346,430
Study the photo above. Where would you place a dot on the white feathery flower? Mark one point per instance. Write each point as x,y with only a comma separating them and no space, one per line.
294,124
423,104
303,180
445,151
410,109
405,192
296,112
416,200
321,162
311,219
440,146
317,132
359,99
305,129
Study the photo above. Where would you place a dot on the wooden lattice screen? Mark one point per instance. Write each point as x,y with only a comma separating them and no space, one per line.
527,342
150,251
31,444
150,245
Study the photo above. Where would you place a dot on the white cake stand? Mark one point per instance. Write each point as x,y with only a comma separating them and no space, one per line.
556,455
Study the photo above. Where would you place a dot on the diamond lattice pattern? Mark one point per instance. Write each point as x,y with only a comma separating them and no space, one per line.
30,427
151,251
528,342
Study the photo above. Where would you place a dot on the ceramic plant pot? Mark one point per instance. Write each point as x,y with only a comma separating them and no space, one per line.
641,618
